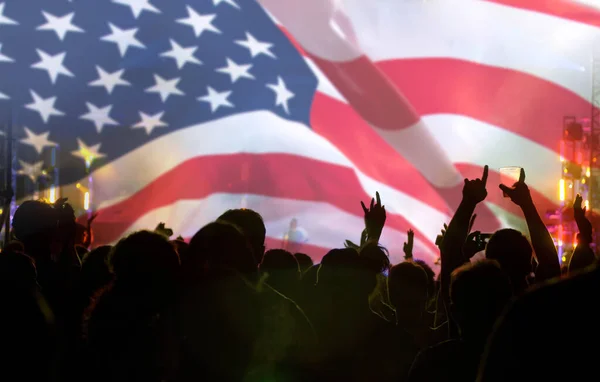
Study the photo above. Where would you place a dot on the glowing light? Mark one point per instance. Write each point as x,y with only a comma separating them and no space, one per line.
560,243
78,185
86,201
587,204
562,159
561,190
588,172
52,195
583,181
564,259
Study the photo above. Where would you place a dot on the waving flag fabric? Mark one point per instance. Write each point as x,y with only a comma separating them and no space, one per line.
297,109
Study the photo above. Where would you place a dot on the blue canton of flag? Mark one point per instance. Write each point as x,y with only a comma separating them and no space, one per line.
99,79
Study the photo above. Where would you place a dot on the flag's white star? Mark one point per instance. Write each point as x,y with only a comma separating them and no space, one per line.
99,115
4,96
87,153
138,6
4,58
282,93
4,19
182,55
198,22
165,87
38,141
32,171
150,122
236,71
109,80
60,25
44,106
53,65
216,99
124,38
230,2
256,47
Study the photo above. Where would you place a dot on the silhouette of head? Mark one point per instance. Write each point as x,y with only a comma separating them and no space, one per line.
304,261
95,272
252,225
408,287
430,278
513,252
279,259
17,271
479,292
220,245
282,269
376,257
146,262
35,224
345,272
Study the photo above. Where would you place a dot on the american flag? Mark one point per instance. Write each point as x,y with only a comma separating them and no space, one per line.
177,110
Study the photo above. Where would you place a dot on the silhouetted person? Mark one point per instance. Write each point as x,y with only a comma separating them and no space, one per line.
479,292
356,344
27,331
548,334
282,271
232,327
253,227
408,291
304,261
126,334
514,254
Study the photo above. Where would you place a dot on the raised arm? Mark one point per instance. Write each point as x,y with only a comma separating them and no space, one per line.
474,192
543,245
583,255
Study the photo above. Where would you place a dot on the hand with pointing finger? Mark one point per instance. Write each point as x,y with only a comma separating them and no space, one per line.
375,217
474,191
519,192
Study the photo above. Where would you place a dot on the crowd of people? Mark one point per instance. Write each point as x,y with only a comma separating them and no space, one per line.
222,308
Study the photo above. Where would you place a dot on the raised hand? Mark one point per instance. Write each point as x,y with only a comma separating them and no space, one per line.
163,230
408,246
374,218
584,225
519,192
475,191
577,206
440,238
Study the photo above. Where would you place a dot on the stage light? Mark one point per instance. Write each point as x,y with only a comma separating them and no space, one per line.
86,201
564,259
588,172
561,190
583,181
52,195
587,204
560,243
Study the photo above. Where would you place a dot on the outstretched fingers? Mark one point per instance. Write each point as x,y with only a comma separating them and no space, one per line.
365,210
522,176
484,178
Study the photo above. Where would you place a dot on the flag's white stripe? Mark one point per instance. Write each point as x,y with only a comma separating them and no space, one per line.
554,49
326,226
268,134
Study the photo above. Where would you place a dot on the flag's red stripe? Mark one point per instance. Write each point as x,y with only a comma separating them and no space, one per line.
374,157
274,175
521,103
570,10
